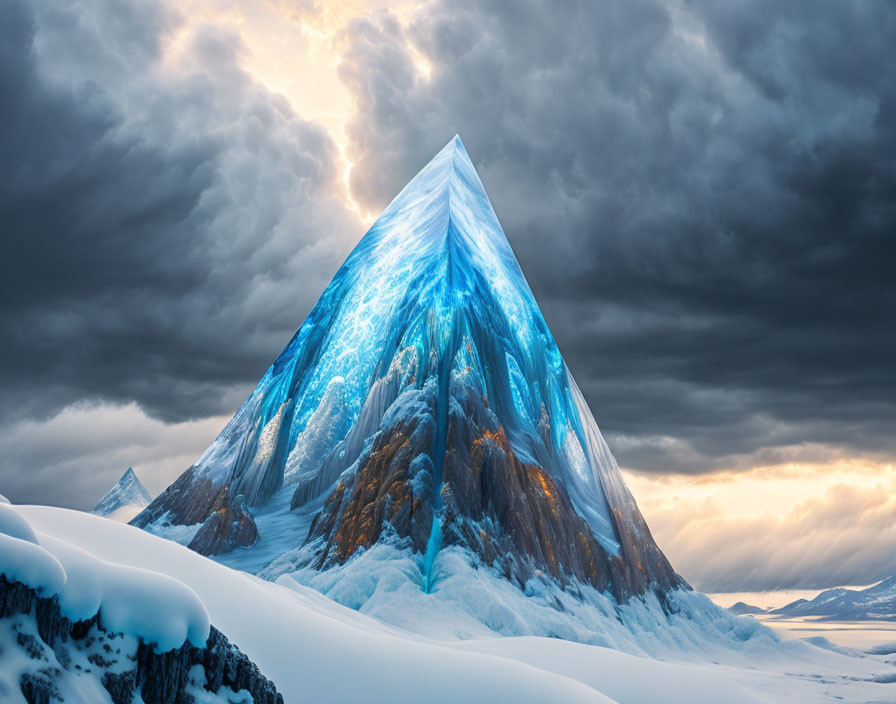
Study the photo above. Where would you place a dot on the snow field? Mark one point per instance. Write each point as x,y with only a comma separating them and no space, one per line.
317,650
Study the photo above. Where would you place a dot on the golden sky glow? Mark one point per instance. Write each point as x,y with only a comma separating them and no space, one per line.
774,524
295,49
290,49
761,491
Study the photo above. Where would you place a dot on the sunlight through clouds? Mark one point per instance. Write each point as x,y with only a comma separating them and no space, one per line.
786,526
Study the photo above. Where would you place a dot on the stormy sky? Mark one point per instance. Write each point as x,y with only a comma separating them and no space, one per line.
702,196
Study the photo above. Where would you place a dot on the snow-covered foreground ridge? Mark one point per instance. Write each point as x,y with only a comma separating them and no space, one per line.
318,651
79,629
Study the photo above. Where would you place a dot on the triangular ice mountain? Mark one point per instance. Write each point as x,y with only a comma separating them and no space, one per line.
423,402
124,500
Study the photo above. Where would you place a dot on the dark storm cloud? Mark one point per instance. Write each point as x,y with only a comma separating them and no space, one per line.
166,223
702,196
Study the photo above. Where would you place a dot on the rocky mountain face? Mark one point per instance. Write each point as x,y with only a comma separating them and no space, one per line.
46,644
124,500
424,400
229,527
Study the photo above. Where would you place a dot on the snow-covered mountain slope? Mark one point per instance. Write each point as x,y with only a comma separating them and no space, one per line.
424,406
877,602
316,650
80,629
124,500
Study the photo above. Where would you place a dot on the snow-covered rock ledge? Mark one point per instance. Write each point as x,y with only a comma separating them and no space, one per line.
75,628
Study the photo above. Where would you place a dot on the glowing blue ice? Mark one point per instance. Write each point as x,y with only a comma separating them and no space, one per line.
435,274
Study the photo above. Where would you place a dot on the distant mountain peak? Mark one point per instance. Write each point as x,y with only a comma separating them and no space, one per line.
743,609
125,499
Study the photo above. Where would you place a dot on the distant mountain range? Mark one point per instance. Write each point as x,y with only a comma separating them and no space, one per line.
877,602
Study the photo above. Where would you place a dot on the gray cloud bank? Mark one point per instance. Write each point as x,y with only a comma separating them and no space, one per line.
166,222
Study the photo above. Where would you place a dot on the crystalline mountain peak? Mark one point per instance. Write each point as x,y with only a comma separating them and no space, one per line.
424,400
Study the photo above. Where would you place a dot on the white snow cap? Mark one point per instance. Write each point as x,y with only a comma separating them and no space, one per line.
154,607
